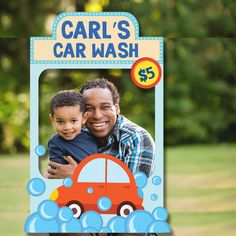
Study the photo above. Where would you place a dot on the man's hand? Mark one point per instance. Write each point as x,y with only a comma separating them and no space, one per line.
61,171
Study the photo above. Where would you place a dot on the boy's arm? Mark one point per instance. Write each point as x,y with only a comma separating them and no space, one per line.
56,153
61,166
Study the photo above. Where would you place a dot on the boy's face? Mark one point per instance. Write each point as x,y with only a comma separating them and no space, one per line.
68,121
102,112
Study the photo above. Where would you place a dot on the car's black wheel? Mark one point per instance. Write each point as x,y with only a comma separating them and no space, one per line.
76,207
125,208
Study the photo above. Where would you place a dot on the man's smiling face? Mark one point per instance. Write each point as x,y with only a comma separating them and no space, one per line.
102,112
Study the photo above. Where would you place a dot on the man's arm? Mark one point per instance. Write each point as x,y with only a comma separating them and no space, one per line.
61,171
139,152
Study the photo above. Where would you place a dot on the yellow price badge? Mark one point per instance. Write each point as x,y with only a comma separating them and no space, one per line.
146,72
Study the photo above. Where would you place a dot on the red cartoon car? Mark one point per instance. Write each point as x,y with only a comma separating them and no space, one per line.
100,175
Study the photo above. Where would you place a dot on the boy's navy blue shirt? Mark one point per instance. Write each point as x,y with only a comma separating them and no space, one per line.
80,147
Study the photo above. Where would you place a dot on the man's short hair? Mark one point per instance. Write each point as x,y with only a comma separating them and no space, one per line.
102,83
67,98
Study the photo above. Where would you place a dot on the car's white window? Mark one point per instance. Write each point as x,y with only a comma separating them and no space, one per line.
116,174
94,171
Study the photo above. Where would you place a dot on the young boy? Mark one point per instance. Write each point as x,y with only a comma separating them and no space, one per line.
68,116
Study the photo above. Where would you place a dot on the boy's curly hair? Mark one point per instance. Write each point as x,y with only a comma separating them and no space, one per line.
67,98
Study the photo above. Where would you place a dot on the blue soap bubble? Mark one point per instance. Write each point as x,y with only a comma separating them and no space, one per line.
65,214
36,224
140,193
30,222
138,221
36,187
105,230
90,190
160,213
104,203
159,226
48,209
140,179
154,197
89,230
67,182
74,225
40,150
91,219
156,180
117,224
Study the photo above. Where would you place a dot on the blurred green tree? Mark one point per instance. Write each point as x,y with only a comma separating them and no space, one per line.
200,90
200,61
14,95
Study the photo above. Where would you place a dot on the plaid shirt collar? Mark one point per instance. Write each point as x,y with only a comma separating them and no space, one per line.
115,135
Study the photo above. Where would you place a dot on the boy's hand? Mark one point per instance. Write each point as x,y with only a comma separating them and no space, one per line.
61,171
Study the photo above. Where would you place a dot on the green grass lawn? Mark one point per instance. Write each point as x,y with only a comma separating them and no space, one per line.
13,194
200,191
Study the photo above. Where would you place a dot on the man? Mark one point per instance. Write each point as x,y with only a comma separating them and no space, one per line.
116,135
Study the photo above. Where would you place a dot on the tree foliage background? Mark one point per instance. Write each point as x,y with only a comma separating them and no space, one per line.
200,59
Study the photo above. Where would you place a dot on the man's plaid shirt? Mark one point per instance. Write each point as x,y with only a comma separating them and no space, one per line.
131,144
